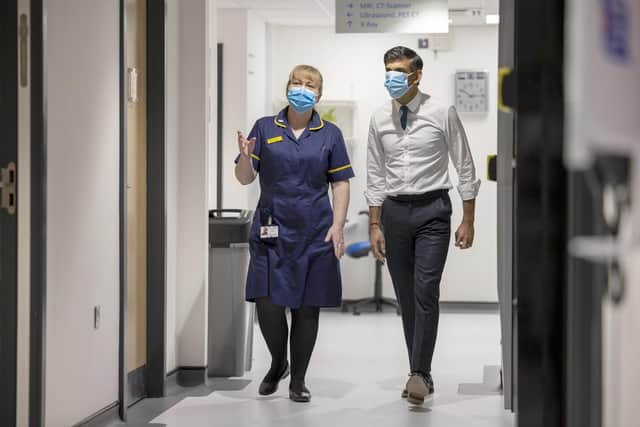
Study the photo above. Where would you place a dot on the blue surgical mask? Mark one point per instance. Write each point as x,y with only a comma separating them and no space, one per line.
301,98
397,83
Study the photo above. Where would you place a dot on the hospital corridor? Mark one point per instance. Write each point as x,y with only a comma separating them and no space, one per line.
314,213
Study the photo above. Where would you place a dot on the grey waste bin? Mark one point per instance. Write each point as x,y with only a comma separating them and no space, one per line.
231,319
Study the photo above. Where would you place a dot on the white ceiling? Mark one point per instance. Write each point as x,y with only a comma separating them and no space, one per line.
287,12
319,12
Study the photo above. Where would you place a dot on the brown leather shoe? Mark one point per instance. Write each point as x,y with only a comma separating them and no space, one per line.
418,388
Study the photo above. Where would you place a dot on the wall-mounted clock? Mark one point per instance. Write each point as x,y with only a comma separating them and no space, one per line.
471,91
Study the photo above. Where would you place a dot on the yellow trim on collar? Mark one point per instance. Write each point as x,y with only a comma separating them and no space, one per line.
275,120
341,168
255,157
319,127
274,139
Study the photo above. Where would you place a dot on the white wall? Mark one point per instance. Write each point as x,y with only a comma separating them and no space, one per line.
232,33
243,34
257,100
82,63
212,101
256,49
192,262
172,140
191,127
353,70
621,343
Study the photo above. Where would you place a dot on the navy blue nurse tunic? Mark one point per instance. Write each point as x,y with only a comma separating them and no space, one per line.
298,268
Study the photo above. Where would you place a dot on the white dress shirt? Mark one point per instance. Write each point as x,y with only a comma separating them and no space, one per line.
416,160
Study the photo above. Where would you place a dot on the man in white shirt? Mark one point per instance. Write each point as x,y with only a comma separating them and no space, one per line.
411,139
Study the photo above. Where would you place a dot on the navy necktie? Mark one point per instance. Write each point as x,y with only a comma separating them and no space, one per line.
404,110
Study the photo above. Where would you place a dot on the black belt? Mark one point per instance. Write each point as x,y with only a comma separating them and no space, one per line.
408,198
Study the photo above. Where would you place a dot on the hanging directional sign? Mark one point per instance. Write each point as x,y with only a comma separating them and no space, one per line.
409,16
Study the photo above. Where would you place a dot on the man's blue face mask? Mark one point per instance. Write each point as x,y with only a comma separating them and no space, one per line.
397,83
301,99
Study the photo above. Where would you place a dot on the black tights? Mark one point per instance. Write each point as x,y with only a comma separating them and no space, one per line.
304,330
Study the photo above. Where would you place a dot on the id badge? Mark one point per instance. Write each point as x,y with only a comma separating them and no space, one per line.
269,232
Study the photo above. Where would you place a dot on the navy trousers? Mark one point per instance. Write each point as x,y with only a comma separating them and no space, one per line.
417,232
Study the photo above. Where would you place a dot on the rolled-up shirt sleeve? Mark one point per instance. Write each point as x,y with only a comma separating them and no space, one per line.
460,154
376,183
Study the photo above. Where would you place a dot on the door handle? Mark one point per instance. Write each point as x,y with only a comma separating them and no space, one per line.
8,188
506,89
492,167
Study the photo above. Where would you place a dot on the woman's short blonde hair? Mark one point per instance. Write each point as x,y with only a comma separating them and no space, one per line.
309,70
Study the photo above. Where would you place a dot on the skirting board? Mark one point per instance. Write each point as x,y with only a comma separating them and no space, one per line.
136,385
102,418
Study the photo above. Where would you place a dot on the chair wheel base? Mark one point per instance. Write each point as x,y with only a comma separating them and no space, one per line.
377,304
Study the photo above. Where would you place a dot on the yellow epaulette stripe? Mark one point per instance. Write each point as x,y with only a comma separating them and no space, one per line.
341,168
274,139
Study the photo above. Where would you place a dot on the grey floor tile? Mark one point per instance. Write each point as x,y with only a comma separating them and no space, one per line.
356,375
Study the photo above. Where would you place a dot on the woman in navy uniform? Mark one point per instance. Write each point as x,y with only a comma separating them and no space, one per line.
296,237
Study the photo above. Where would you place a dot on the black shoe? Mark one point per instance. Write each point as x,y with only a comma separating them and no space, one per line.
298,392
269,387
405,393
430,385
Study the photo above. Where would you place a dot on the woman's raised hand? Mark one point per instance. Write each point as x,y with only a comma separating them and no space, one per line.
246,146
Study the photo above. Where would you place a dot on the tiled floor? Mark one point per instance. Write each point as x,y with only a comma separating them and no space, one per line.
357,373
